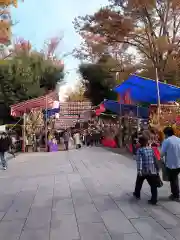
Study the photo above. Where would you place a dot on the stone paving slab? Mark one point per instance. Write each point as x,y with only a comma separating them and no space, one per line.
62,207
40,234
116,223
91,231
132,210
21,206
81,195
175,232
132,236
165,218
64,228
150,229
11,230
87,214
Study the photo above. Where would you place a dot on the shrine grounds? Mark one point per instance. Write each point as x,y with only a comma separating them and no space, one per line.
81,195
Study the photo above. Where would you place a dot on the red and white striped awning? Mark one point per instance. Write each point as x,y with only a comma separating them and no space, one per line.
42,102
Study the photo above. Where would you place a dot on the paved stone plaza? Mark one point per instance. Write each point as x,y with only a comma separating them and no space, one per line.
80,195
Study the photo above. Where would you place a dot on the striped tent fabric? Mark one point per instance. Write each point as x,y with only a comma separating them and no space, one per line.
42,102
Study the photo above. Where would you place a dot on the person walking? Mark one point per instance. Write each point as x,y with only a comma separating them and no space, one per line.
146,170
4,147
66,140
12,147
77,140
171,151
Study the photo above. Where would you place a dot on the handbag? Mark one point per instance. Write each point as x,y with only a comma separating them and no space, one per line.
165,175
159,182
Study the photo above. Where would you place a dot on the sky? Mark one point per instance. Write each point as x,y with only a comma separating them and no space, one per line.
38,20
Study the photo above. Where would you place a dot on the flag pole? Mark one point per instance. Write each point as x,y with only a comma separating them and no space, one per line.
46,130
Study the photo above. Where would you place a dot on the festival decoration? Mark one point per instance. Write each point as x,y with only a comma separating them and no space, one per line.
170,116
34,122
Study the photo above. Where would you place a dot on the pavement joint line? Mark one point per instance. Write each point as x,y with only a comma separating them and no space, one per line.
157,223
37,176
122,211
94,204
150,215
52,209
74,207
14,199
91,175
24,225
163,207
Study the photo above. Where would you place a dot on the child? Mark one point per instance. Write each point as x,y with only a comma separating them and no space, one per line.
146,169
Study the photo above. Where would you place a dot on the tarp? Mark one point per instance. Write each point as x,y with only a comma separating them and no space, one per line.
145,90
51,112
42,102
122,109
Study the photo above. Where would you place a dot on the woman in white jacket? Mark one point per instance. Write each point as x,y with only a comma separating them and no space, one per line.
77,140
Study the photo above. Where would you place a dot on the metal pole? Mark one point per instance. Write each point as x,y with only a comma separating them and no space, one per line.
137,118
120,113
24,132
46,130
158,97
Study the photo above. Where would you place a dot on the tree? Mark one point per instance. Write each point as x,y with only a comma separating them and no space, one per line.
91,48
98,81
28,74
150,26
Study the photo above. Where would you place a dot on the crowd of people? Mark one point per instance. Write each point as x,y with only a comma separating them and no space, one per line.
76,138
149,163
150,153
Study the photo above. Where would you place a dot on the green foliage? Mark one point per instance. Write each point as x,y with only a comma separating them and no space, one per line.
98,81
26,76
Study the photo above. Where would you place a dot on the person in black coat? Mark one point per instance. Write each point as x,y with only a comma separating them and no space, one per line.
4,147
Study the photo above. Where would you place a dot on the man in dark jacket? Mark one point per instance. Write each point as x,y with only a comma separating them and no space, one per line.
4,147
66,139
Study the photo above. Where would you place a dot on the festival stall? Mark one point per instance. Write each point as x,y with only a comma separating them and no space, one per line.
35,114
143,90
131,118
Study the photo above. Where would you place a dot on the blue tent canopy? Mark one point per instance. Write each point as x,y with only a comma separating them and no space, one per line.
122,109
51,112
145,90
